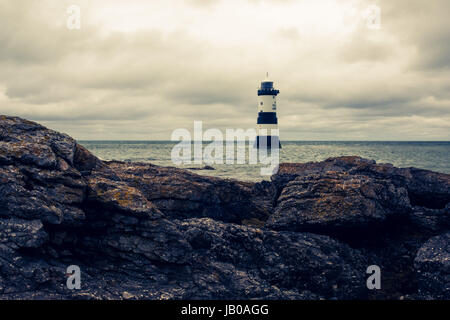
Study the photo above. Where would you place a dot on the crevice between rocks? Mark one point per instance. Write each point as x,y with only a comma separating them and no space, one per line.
430,201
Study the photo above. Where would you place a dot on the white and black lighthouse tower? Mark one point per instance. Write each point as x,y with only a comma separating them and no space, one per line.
267,123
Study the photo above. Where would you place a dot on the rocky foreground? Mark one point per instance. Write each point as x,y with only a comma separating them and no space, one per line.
140,231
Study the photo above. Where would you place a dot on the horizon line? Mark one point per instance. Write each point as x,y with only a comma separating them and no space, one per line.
141,140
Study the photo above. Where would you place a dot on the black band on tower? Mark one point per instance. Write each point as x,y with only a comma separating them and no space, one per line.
267,118
268,92
267,142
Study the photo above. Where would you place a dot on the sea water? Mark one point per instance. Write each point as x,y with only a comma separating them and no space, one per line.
426,155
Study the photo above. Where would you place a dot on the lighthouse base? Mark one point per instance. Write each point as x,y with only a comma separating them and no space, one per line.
267,142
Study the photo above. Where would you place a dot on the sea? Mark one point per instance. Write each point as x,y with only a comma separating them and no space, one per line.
425,155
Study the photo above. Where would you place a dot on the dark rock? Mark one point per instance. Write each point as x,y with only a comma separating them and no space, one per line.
332,200
202,168
17,233
432,265
119,196
425,188
84,161
433,220
385,212
255,263
140,231
20,140
181,194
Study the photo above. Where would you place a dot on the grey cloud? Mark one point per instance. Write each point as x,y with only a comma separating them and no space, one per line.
145,83
425,26
364,48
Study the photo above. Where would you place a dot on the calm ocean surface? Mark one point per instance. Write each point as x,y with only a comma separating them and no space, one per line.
426,155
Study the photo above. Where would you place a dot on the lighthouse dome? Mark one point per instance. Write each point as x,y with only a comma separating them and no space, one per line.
266,84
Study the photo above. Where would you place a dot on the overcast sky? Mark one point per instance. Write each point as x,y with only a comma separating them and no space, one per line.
141,69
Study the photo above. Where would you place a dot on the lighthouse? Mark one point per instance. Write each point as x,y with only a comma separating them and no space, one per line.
267,123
